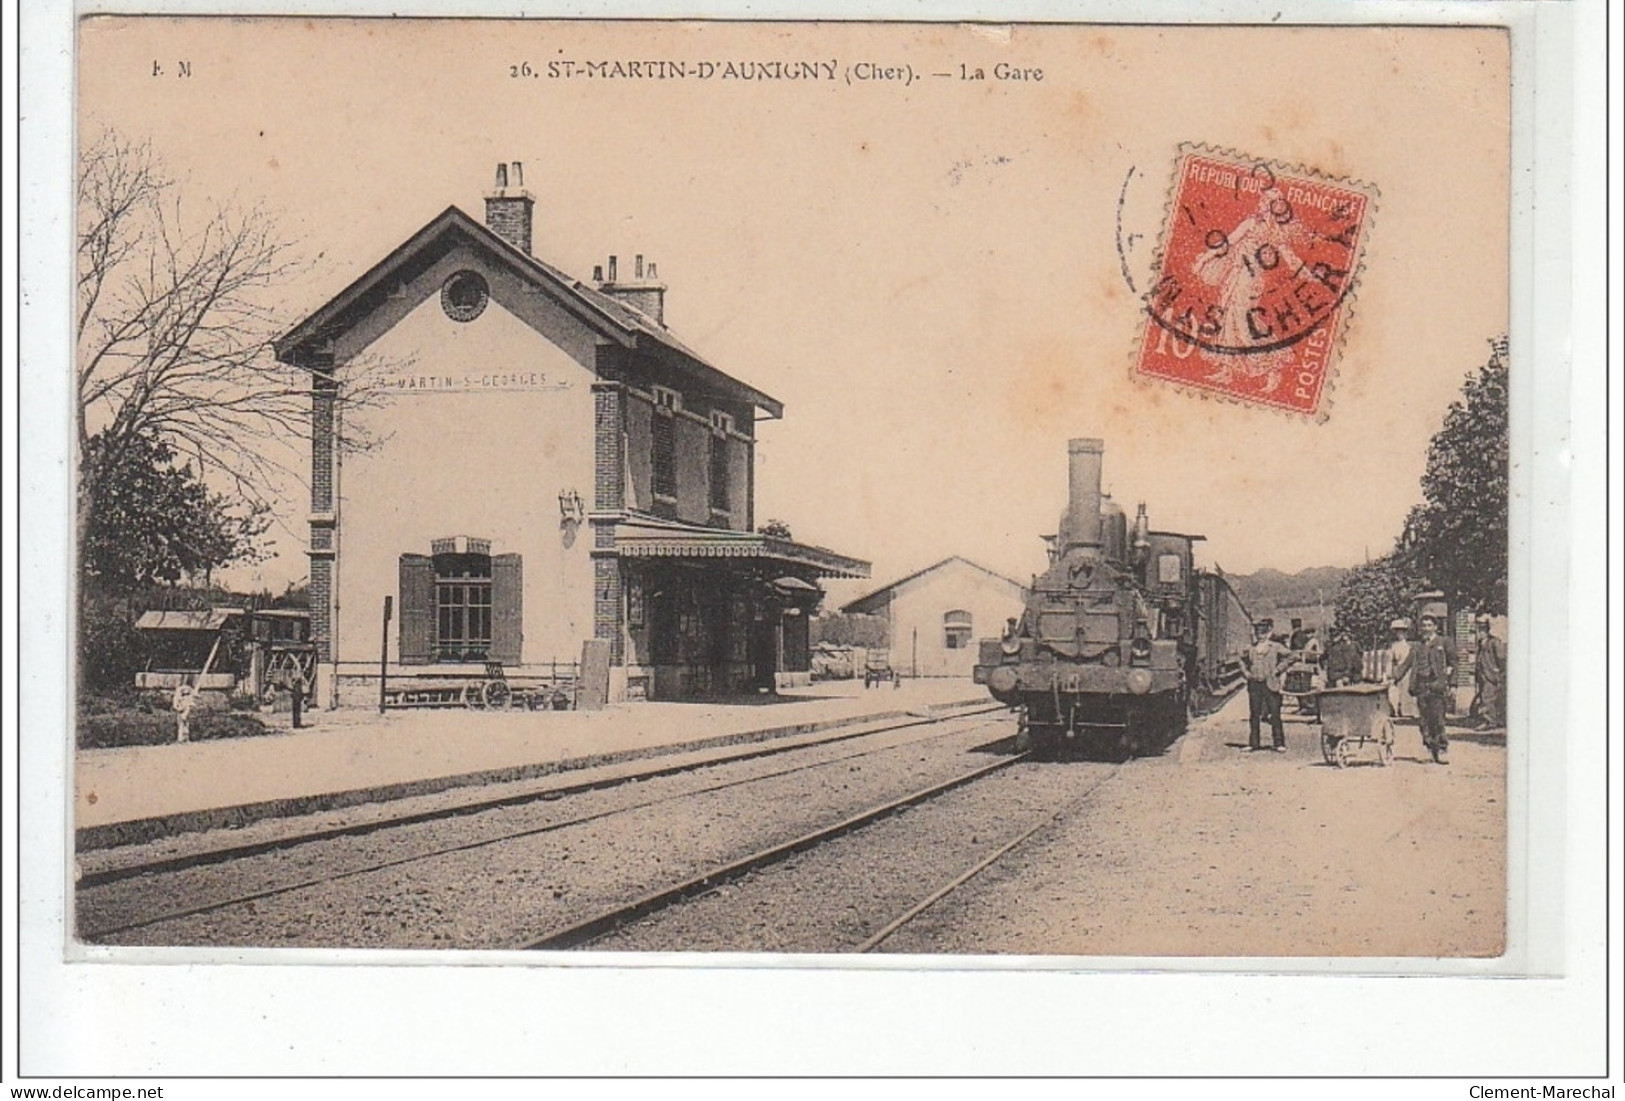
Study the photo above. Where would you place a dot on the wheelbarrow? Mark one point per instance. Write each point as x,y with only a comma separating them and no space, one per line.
1356,719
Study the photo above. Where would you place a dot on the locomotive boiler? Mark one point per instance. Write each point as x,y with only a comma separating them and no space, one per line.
1122,638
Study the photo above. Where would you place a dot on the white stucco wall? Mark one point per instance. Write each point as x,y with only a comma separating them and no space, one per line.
917,607
486,457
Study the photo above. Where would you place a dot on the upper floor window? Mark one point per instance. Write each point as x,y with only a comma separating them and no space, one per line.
721,491
663,457
956,629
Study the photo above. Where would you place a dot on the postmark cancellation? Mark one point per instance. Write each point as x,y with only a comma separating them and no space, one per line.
1253,284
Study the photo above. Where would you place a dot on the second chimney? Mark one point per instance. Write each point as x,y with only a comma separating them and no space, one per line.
643,292
509,208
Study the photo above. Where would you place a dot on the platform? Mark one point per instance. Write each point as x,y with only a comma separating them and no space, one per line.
351,756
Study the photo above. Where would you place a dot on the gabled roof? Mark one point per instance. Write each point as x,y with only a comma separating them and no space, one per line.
871,602
603,314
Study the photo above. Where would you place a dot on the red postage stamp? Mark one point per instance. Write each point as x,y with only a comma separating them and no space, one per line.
1253,283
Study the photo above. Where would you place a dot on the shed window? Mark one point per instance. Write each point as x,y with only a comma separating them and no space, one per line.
956,629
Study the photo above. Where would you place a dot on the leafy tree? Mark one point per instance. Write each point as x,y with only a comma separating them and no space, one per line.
149,519
1457,537
295,595
775,529
178,390
1372,596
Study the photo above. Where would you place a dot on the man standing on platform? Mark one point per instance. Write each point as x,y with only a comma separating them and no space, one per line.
1490,673
1264,663
183,701
1432,666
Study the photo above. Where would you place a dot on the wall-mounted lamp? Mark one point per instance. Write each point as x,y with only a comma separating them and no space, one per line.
572,509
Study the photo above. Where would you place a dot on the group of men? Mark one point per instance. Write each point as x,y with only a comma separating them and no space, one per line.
1424,672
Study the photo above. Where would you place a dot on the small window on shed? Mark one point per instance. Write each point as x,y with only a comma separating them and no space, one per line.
956,629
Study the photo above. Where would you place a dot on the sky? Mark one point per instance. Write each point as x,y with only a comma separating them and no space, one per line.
939,277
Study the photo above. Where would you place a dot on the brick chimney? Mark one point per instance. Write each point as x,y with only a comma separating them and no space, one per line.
643,292
509,207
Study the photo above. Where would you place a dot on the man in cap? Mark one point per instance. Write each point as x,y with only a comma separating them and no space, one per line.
1432,667
1489,674
1264,664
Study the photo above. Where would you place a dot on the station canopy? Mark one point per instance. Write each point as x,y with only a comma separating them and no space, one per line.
653,539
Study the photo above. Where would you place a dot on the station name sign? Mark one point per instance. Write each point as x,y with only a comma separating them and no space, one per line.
473,381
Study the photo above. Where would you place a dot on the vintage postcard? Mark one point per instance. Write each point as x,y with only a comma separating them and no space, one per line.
826,489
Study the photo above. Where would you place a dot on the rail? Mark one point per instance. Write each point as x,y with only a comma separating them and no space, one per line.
583,932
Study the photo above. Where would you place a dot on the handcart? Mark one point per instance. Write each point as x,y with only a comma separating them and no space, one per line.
877,669
1353,718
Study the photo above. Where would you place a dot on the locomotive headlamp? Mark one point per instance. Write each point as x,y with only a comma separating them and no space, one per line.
1139,681
1010,644
1139,651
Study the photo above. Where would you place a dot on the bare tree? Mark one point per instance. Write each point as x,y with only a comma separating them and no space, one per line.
174,327
175,324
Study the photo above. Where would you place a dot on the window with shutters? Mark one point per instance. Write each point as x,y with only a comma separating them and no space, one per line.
663,457
459,606
956,629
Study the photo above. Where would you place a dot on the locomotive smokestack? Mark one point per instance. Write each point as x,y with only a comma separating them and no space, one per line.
1082,527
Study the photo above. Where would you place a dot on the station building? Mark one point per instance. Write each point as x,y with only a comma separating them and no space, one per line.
935,616
521,461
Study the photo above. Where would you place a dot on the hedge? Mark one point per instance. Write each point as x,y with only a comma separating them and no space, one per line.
127,727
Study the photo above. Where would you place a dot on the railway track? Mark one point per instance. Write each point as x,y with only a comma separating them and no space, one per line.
868,893
588,930
110,866
103,915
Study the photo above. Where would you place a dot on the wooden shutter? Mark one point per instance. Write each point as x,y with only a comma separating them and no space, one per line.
417,609
507,606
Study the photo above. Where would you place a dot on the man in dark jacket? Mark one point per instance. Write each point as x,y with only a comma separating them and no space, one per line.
1432,665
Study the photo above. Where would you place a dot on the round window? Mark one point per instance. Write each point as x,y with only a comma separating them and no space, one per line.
464,296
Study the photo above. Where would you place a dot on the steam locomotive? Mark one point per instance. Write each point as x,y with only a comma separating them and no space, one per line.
1122,639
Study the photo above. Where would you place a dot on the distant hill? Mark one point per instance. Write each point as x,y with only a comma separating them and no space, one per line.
1269,592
